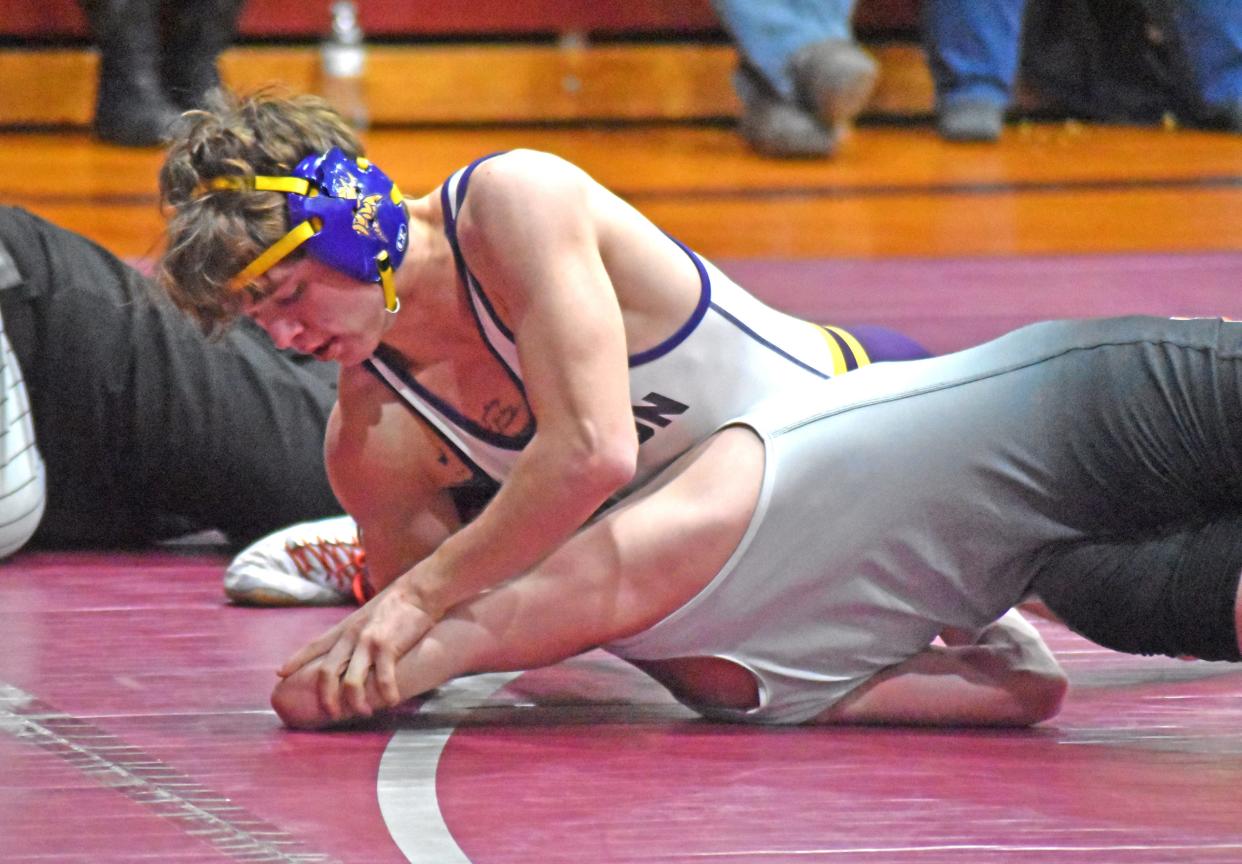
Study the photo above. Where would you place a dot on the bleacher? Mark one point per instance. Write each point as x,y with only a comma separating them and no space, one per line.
490,61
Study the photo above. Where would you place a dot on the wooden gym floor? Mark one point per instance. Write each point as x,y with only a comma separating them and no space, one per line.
134,723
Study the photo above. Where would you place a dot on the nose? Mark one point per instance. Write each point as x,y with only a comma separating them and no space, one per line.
283,331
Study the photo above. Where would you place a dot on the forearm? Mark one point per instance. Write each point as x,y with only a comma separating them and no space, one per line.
561,609
547,498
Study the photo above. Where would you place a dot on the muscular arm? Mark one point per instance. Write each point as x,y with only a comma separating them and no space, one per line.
572,344
1005,677
615,577
528,230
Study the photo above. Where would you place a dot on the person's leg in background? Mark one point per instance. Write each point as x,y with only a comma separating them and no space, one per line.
1209,32
973,48
193,35
131,108
156,59
802,77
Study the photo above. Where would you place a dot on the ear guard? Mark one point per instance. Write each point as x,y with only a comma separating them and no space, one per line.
346,212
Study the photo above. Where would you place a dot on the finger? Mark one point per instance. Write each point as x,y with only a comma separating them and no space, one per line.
354,681
386,679
308,652
328,678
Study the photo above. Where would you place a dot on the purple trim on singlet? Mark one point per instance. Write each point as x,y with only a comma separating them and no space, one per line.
765,343
705,301
462,184
470,427
463,271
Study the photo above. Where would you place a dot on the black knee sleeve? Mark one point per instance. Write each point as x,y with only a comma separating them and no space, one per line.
1175,594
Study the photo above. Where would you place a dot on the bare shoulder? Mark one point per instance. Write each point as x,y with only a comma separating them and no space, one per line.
524,171
519,192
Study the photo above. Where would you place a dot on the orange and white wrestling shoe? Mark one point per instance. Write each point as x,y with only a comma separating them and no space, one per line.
318,563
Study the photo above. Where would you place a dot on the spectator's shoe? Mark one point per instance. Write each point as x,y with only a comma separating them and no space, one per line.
834,79
318,563
778,127
970,120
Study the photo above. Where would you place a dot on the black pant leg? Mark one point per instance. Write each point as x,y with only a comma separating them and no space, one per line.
1151,464
141,418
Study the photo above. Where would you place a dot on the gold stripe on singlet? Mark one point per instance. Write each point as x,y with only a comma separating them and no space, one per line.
844,348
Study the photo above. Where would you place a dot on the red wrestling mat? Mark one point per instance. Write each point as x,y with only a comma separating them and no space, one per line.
953,303
134,725
134,722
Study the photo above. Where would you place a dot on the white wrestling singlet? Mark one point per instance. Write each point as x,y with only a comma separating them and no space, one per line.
731,353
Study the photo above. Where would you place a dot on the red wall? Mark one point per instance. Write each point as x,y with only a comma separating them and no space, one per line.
300,18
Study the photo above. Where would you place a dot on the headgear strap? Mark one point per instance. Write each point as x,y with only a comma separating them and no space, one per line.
357,225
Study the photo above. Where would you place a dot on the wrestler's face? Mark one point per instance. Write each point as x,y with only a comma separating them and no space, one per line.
315,309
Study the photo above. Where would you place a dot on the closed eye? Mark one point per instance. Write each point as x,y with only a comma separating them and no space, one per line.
288,299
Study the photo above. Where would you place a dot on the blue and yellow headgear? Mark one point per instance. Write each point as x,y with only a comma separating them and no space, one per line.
346,212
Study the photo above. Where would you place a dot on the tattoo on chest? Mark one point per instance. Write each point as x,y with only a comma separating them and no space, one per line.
501,417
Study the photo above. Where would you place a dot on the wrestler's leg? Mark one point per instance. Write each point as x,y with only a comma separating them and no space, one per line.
619,575
406,491
1174,592
1149,438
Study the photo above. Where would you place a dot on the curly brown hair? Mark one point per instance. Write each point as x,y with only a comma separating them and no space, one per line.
212,235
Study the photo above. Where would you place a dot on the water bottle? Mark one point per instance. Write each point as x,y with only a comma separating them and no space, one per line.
342,61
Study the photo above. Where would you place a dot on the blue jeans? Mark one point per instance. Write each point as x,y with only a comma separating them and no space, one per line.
973,48
1210,34
769,32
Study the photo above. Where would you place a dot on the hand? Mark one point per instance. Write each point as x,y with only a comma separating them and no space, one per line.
373,637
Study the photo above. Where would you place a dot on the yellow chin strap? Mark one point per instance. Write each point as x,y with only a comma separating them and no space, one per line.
384,264
297,235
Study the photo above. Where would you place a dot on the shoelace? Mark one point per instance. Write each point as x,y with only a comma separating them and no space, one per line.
343,565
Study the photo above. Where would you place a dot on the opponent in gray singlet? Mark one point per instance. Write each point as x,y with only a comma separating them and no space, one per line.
906,498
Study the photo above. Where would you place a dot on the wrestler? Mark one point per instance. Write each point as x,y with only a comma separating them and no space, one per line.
123,425
519,347
799,565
